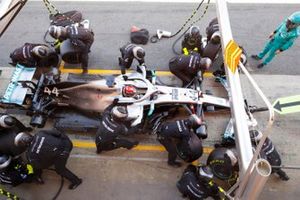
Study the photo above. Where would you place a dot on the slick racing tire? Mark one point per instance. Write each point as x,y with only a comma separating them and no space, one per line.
70,53
220,164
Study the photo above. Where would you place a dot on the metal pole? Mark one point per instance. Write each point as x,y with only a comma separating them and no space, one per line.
238,113
259,175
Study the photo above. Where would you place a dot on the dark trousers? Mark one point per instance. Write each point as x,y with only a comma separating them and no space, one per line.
59,162
170,146
60,168
113,143
84,61
182,74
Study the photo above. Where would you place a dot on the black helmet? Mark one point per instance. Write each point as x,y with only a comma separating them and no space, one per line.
23,139
138,52
194,32
7,121
4,161
119,112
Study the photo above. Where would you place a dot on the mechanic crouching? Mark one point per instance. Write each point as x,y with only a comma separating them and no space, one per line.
14,171
192,41
52,148
12,136
13,143
113,127
129,52
186,67
270,153
80,37
34,55
179,138
196,183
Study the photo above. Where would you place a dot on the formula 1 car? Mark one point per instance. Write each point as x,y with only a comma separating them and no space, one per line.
143,96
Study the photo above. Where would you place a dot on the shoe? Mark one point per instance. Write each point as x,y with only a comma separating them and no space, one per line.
283,176
261,65
75,185
84,71
175,164
98,151
255,57
134,144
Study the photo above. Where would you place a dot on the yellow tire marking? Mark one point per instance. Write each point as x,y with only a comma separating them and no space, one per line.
88,145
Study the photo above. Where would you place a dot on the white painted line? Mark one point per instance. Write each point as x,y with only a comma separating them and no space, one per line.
122,158
192,1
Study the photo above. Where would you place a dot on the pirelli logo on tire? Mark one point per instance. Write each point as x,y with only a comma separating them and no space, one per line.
232,55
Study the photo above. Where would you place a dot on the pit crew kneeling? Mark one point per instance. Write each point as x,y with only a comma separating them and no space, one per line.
34,55
51,147
113,127
186,67
196,183
14,141
179,138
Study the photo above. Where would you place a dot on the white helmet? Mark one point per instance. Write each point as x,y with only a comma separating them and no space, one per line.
119,112
206,172
138,52
23,139
205,63
7,121
56,31
216,37
4,161
41,51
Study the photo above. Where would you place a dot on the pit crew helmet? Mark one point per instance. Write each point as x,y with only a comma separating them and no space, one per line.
23,139
4,161
138,52
119,112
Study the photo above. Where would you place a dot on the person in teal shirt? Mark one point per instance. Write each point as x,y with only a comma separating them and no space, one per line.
281,39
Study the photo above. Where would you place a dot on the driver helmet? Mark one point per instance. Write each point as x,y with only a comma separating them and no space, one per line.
4,161
23,139
138,52
57,31
205,63
119,112
7,121
41,51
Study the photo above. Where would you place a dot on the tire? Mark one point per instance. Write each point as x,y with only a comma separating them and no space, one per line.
220,163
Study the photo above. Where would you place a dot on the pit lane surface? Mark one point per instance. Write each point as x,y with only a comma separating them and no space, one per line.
111,22
143,175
